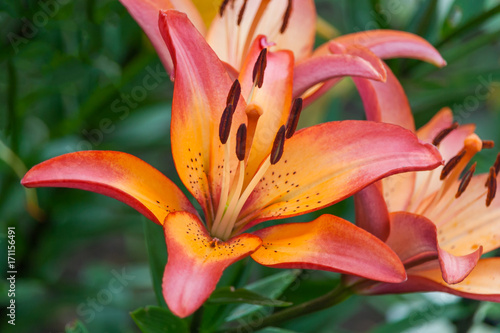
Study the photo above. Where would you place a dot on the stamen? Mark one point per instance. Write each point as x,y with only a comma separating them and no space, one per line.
497,164
465,181
241,140
258,69
222,7
452,163
488,144
278,144
234,94
492,186
444,133
286,17
225,123
242,11
293,118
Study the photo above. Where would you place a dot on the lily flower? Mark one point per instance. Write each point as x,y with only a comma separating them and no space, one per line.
437,223
235,149
290,25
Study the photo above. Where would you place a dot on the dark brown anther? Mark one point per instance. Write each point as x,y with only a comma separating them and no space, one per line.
497,164
241,142
278,145
242,11
488,144
465,181
286,16
225,124
443,134
452,163
293,118
258,69
492,186
222,7
234,94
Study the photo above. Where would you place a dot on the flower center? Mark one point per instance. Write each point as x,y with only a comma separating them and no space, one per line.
436,206
234,194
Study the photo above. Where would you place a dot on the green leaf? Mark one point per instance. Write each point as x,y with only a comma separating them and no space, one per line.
272,286
470,24
76,327
157,253
227,295
153,319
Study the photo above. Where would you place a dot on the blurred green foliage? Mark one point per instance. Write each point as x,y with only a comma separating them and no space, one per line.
72,78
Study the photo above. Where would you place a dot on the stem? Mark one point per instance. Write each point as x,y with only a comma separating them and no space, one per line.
336,296
197,319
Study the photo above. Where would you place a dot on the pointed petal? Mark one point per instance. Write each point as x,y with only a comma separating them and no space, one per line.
455,269
327,163
232,42
196,261
116,175
385,101
146,15
200,94
371,211
387,44
468,224
414,238
274,99
328,243
482,284
395,44
346,61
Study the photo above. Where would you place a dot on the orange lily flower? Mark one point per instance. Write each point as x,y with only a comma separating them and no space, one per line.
239,156
290,25
437,223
